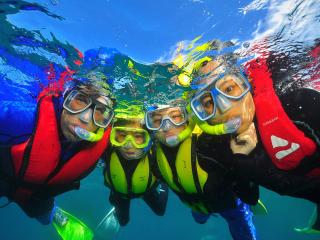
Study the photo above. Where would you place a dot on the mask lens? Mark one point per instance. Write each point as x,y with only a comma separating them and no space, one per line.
76,102
233,86
120,136
204,105
177,115
102,115
154,119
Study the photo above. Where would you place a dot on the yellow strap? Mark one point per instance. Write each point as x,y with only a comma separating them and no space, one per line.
117,174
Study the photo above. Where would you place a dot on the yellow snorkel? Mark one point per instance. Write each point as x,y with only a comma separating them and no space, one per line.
89,136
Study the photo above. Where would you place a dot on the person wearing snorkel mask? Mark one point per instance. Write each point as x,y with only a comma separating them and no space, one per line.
128,173
274,141
200,184
57,142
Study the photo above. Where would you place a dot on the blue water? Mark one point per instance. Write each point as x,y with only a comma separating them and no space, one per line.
91,202
145,32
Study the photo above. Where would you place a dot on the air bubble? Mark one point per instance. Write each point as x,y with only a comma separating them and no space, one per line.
246,44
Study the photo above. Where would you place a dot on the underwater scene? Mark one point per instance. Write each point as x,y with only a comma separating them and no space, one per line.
183,119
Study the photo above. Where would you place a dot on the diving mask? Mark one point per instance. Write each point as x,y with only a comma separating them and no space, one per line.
121,136
220,91
78,102
159,118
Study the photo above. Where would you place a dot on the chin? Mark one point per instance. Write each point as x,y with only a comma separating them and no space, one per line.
73,138
243,127
70,136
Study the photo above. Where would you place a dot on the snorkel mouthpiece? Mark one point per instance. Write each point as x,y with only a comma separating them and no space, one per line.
232,125
172,141
89,136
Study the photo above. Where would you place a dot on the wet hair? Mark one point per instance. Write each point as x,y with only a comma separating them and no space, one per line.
196,70
229,60
128,121
89,89
92,90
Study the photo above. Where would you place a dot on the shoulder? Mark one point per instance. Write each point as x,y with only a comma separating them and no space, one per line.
301,96
302,105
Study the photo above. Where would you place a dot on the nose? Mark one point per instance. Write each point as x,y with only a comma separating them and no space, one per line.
223,103
167,125
86,116
128,145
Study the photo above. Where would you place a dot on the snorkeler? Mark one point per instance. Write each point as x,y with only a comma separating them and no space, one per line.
200,184
128,172
275,142
48,146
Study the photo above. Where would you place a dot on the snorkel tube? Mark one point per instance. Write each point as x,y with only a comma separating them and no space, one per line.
89,136
219,129
187,131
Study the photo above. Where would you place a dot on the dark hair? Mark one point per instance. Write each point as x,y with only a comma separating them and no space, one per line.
127,121
89,89
94,91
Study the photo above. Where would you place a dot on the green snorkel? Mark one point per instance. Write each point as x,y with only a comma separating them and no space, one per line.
219,129
187,131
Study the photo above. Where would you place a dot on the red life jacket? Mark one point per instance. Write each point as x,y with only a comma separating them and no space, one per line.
285,144
37,161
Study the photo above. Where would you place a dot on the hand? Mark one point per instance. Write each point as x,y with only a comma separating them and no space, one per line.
245,142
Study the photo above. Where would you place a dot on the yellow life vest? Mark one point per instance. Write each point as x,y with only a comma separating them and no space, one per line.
186,176
128,183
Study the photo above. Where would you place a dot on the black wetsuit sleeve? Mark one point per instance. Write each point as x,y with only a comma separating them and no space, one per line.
157,198
260,169
248,192
36,207
303,105
122,207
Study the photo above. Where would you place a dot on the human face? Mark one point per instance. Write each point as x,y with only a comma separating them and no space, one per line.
131,140
229,102
167,130
80,111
